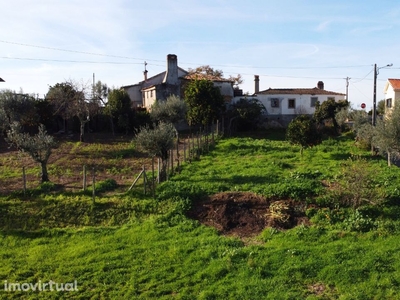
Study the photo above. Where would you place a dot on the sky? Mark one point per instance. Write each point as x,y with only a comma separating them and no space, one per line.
288,43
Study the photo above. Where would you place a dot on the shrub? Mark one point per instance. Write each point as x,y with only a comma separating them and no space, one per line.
106,185
356,184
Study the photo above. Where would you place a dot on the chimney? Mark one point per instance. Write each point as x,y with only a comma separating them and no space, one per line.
320,85
171,75
256,84
145,75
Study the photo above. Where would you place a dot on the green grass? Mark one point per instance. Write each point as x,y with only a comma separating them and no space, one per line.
130,246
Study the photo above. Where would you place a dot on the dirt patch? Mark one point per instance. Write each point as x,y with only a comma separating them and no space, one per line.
246,214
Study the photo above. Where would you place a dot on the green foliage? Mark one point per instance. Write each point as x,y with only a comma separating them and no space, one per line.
17,107
171,110
328,109
157,141
302,131
38,146
205,102
119,107
106,185
357,185
247,112
358,221
380,107
387,134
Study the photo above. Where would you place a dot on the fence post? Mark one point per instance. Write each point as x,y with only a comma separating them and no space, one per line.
94,186
184,150
84,177
177,156
24,179
152,178
144,179
172,161
193,147
158,170
212,135
198,144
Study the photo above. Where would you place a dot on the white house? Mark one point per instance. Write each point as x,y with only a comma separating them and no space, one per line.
170,82
283,104
392,93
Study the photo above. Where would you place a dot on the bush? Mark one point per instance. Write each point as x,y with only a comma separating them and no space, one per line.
106,186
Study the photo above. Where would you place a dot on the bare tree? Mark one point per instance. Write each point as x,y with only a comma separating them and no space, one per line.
69,99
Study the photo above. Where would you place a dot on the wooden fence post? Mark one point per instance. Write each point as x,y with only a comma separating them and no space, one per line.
158,170
152,178
144,180
24,179
84,177
193,147
172,161
184,150
94,186
177,156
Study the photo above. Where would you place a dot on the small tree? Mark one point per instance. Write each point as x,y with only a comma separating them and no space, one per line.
38,146
328,109
205,102
119,107
172,110
17,107
302,131
247,112
387,135
380,108
157,142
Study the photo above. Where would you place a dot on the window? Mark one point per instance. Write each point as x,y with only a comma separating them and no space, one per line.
314,101
151,93
389,102
331,98
274,102
292,103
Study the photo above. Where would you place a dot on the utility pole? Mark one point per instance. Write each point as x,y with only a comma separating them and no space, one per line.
374,98
376,72
347,88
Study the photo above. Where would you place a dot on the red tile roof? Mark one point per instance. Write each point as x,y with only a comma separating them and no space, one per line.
300,91
395,83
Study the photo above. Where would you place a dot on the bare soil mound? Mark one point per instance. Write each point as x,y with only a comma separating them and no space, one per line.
246,214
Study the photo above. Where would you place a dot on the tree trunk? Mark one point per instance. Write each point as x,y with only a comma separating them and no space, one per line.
163,170
389,160
45,175
82,131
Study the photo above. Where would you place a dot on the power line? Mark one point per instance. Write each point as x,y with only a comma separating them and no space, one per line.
182,63
73,61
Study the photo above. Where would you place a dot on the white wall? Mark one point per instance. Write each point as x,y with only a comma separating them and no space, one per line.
302,103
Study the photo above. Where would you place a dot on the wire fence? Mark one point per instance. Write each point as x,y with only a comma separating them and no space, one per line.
140,174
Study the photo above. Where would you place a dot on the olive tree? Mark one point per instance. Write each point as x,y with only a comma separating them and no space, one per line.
38,146
386,135
157,142
17,107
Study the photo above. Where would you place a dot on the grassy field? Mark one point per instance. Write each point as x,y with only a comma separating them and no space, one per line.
131,246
